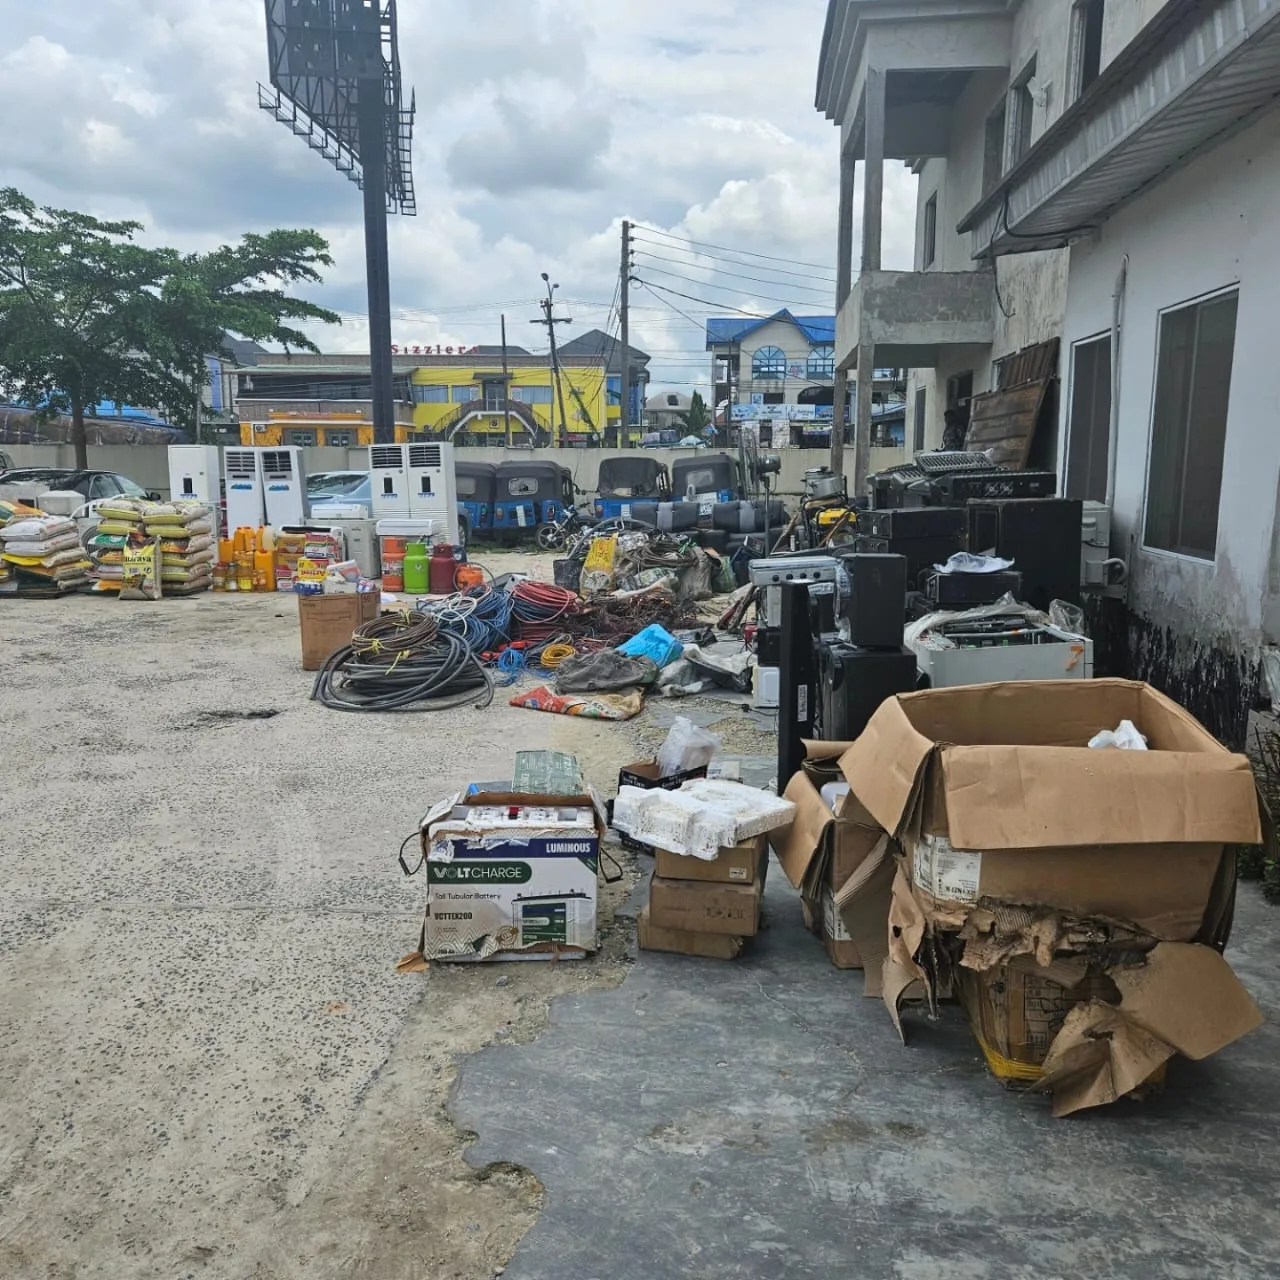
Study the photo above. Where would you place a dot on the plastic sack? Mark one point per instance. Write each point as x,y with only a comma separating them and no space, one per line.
681,680
40,530
688,746
1067,617
732,672
602,672
141,580
120,509
654,642
1125,737
599,706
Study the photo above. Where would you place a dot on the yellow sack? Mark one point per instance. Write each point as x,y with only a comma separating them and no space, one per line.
141,579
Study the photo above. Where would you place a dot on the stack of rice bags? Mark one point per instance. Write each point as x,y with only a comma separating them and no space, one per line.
9,512
120,523
185,530
45,553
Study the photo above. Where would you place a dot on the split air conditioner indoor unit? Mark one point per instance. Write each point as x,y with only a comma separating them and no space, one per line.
389,477
433,493
245,504
284,485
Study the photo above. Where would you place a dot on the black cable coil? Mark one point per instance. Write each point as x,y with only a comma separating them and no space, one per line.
403,662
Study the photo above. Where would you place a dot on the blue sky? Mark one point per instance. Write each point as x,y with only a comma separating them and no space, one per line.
541,125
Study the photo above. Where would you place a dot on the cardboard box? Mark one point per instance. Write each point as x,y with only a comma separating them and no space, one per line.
326,623
841,863
1028,859
682,942
739,864
692,906
504,887
644,774
994,793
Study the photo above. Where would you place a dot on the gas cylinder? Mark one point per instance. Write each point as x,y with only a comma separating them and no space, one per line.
417,570
444,570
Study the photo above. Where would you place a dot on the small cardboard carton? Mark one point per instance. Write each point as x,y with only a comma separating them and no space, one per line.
684,942
511,877
840,861
693,906
1077,900
326,623
736,864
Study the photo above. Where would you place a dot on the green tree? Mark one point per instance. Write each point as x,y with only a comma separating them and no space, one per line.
696,418
74,299
236,290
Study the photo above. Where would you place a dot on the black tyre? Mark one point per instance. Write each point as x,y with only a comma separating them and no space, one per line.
550,537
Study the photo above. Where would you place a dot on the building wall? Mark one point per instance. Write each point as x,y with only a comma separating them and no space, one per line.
1197,626
1121,22
788,338
148,465
590,383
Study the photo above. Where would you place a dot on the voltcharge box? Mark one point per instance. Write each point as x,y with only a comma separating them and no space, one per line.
511,877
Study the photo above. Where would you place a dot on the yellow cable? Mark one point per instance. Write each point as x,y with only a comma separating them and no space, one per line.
556,654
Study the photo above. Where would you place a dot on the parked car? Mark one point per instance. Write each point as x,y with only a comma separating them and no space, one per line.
346,487
28,483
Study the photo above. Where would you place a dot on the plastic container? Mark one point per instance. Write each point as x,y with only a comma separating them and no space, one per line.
444,571
418,570
468,576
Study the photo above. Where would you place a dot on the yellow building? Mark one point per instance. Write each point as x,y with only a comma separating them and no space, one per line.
479,404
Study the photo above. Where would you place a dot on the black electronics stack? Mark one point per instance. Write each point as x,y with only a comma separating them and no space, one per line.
856,676
1040,535
924,536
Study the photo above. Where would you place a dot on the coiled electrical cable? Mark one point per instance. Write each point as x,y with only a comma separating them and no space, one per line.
403,662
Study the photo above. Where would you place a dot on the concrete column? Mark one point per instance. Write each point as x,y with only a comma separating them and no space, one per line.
844,286
844,235
873,182
862,438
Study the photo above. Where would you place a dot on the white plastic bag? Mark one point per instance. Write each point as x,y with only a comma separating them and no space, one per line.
688,746
1125,737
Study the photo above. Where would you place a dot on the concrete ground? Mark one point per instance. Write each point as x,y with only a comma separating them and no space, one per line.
210,1066
211,1069
759,1118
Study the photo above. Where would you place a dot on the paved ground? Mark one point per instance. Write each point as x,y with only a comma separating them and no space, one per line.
210,1066
759,1118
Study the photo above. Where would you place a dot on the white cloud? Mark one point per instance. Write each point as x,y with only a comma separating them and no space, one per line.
541,124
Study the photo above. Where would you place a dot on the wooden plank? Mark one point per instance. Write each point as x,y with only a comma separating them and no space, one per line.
1003,423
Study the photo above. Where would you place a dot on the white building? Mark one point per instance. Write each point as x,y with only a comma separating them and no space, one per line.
1101,177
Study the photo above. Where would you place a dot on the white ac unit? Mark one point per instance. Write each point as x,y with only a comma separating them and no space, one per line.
195,474
284,484
433,492
389,476
245,504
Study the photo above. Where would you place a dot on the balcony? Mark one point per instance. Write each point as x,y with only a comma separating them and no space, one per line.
909,317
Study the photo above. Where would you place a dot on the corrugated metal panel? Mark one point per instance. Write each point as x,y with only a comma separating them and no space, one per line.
1200,83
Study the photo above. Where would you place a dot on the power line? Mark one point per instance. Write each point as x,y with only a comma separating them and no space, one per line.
807,288
724,306
698,255
746,253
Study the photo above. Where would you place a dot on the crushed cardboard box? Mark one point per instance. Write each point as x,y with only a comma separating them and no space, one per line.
839,860
1027,861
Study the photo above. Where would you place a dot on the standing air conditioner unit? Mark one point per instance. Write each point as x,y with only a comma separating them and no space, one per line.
284,482
245,505
433,491
388,469
195,474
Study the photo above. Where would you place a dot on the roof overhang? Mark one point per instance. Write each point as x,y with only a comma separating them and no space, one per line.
1200,71
845,35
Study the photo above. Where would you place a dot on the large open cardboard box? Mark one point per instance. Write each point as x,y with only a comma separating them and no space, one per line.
1016,840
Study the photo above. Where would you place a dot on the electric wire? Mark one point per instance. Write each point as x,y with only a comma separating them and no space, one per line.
763,297
746,253
403,662
828,286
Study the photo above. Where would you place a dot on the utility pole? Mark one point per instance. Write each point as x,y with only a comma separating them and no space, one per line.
624,311
550,321
506,383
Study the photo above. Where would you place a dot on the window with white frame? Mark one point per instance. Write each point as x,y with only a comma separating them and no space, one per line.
1089,422
929,249
1189,425
1086,45
769,363
1021,114
822,362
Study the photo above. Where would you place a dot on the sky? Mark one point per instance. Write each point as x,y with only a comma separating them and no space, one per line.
541,125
